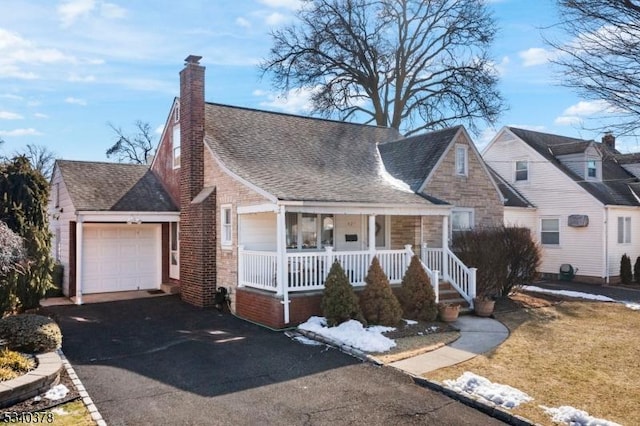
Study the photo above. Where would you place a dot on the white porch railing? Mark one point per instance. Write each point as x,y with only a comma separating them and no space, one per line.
461,277
307,271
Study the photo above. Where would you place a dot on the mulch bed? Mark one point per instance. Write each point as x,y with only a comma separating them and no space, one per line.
522,300
31,405
420,329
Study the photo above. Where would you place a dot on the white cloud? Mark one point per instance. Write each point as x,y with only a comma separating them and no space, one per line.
20,132
501,67
566,120
75,78
536,56
286,4
34,103
11,96
75,101
40,115
159,129
7,115
297,101
275,19
71,10
112,11
243,22
485,137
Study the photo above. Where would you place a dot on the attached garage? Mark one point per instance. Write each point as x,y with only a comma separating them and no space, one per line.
121,257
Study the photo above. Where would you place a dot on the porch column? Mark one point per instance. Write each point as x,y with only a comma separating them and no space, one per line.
281,247
79,227
372,237
445,248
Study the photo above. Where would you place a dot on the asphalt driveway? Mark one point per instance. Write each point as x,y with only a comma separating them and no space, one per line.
161,361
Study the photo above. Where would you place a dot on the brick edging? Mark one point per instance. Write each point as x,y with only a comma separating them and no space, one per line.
82,391
34,382
475,403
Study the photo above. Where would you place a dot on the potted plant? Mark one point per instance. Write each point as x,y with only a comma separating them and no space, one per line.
448,312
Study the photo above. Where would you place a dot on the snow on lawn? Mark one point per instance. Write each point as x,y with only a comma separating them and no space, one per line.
574,417
502,395
352,333
410,322
631,305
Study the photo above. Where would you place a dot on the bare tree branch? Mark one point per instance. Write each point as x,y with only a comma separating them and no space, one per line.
137,148
40,157
404,63
602,59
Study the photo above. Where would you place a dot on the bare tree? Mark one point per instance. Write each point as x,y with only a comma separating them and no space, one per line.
601,61
40,157
134,148
407,64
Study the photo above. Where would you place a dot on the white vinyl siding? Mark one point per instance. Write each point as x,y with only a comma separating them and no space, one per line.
616,250
226,226
59,218
257,231
624,230
555,196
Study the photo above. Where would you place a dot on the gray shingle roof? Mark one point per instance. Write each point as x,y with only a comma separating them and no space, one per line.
412,159
303,159
612,190
95,186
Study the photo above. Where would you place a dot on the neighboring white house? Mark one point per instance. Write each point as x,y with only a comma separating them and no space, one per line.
580,203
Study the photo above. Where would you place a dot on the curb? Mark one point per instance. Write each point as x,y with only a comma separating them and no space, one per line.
475,403
350,350
86,399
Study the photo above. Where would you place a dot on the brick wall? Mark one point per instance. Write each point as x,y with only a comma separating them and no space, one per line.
432,231
163,162
229,192
475,190
405,230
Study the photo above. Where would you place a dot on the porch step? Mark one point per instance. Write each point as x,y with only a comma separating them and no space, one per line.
170,288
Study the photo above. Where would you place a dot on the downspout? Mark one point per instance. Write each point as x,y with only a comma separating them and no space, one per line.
606,245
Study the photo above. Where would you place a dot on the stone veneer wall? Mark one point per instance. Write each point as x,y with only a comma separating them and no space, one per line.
476,190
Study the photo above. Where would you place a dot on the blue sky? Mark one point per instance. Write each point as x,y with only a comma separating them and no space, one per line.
67,68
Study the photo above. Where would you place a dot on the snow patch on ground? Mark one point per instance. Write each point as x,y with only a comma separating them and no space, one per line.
307,341
352,333
57,392
574,417
410,322
631,305
502,395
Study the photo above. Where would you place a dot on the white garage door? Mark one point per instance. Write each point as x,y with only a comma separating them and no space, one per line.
120,257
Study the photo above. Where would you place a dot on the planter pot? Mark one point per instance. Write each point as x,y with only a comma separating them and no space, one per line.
449,313
483,307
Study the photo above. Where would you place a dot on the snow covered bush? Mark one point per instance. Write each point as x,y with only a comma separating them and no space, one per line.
416,295
378,303
339,301
11,248
30,333
625,269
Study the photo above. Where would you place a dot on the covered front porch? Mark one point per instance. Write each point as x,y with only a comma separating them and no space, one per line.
290,250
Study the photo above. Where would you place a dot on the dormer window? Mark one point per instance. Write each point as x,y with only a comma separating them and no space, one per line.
592,169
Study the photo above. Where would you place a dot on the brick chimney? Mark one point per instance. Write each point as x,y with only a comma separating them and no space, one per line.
191,129
609,140
197,206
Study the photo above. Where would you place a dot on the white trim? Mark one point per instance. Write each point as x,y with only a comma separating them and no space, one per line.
366,209
79,260
131,216
243,181
174,270
515,170
595,160
176,129
226,244
258,208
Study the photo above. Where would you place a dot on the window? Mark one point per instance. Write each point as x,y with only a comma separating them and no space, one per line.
176,146
550,231
174,242
624,230
522,170
592,170
461,160
461,219
227,230
309,230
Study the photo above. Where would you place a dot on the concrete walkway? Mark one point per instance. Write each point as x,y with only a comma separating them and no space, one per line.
477,336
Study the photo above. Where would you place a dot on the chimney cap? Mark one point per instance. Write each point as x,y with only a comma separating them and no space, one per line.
193,59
